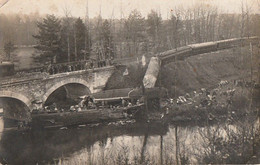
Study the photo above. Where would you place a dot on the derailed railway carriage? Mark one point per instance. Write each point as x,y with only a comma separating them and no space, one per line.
203,48
200,48
252,40
225,44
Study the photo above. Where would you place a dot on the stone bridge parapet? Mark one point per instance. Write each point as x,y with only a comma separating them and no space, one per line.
40,86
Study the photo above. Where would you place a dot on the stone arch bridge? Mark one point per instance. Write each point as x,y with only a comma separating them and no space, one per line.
29,88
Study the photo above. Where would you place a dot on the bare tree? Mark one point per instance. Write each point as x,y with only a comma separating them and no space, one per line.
175,23
67,29
154,23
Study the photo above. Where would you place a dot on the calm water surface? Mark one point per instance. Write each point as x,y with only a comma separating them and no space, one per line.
114,143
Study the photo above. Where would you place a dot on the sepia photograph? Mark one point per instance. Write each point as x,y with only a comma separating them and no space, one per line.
129,82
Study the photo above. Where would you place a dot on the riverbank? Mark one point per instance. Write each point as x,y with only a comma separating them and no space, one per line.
201,71
231,103
205,87
130,142
228,99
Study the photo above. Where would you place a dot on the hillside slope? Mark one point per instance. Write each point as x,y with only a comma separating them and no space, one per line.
201,71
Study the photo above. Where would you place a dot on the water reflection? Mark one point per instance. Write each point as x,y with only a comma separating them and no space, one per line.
136,143
32,147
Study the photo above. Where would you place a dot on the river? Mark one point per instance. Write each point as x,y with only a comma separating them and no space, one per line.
124,143
129,143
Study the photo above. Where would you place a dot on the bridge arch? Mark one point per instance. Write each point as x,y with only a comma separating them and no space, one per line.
18,96
16,106
63,83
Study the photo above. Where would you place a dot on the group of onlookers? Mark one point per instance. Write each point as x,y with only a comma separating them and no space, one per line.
61,68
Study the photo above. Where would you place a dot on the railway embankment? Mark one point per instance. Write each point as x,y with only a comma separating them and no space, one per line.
196,72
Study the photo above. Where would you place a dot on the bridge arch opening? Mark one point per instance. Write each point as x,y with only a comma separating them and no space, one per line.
12,110
66,95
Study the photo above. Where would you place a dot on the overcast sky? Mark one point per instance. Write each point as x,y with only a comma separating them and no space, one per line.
111,8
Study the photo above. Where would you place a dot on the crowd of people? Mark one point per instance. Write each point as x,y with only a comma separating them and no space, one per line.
76,66
222,96
86,102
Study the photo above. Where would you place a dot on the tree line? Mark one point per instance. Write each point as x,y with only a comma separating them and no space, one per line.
62,39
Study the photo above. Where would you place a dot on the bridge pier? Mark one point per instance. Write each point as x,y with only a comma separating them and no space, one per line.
38,86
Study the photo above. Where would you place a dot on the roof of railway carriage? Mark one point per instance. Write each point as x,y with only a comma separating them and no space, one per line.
112,94
3,63
129,93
